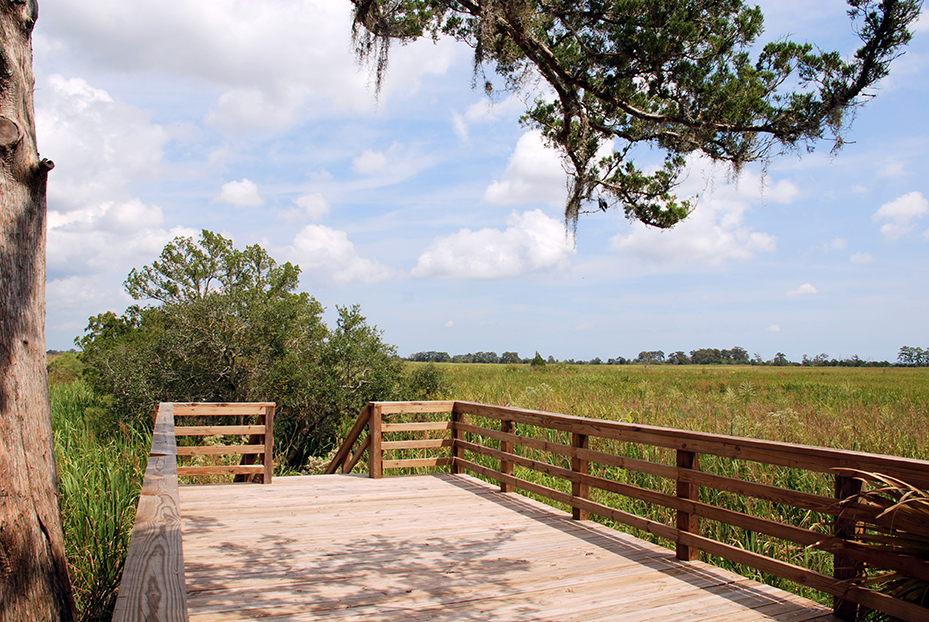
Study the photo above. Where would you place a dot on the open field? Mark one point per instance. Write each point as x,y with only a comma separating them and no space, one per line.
879,410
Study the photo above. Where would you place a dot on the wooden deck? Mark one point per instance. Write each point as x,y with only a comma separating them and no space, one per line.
442,547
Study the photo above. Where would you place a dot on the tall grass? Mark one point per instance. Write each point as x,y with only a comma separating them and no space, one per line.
875,410
100,470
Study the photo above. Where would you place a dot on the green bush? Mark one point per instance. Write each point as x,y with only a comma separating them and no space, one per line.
226,325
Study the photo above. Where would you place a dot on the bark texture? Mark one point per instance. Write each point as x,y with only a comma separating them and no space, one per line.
34,584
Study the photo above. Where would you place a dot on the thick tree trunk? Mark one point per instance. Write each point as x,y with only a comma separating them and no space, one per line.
34,584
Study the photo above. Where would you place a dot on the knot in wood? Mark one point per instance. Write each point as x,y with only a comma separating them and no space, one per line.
9,132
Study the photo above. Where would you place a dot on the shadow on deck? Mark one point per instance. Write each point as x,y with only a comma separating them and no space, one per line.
438,547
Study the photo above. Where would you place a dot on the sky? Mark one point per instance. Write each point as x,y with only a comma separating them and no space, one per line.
434,209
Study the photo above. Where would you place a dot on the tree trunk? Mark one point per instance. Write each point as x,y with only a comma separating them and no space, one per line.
34,584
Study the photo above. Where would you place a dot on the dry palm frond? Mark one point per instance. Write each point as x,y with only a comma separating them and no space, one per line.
894,498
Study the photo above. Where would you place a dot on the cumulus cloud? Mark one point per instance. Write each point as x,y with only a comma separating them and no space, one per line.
328,256
315,205
804,290
269,73
836,244
861,258
240,194
716,231
532,241
533,174
100,147
901,214
773,328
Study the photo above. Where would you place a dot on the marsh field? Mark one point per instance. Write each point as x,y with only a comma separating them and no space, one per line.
879,410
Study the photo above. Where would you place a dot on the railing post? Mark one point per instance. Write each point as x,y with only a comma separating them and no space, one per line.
845,568
687,522
506,467
268,458
375,454
455,451
579,489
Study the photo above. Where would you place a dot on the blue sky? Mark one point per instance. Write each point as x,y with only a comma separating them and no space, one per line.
439,214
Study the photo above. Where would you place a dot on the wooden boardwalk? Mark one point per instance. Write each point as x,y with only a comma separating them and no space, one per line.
442,547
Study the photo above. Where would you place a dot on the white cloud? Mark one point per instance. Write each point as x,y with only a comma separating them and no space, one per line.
901,212
532,241
274,63
100,147
449,324
715,232
773,328
836,244
240,194
861,258
804,290
383,168
370,162
314,206
533,174
328,256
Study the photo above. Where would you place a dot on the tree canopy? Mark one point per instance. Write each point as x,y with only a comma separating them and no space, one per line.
222,324
681,76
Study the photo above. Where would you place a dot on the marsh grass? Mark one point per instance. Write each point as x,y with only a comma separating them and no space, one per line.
100,471
882,411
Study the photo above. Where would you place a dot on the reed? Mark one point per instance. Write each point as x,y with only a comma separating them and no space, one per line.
100,472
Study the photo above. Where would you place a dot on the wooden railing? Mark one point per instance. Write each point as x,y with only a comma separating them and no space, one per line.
257,461
152,587
521,438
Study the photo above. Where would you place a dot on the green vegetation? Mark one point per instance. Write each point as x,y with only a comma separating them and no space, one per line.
879,410
100,472
227,325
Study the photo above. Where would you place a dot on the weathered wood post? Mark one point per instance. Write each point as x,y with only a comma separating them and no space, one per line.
579,466
375,453
687,522
844,568
455,452
506,467
267,460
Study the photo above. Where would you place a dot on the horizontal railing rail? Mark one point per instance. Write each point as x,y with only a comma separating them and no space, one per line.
152,587
461,438
256,462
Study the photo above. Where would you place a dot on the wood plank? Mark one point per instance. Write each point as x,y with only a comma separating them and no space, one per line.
440,547
232,469
205,409
152,586
422,426
220,450
428,443
417,462
218,430
395,408
345,449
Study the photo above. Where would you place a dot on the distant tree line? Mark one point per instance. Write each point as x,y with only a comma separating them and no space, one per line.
907,357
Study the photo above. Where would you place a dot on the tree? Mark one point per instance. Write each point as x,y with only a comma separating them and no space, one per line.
34,580
224,324
677,75
647,358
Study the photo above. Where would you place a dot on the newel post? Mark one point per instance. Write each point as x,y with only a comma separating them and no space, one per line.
456,452
579,466
268,458
686,521
375,453
844,567
506,467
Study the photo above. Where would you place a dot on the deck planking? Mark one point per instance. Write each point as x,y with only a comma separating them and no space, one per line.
440,547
